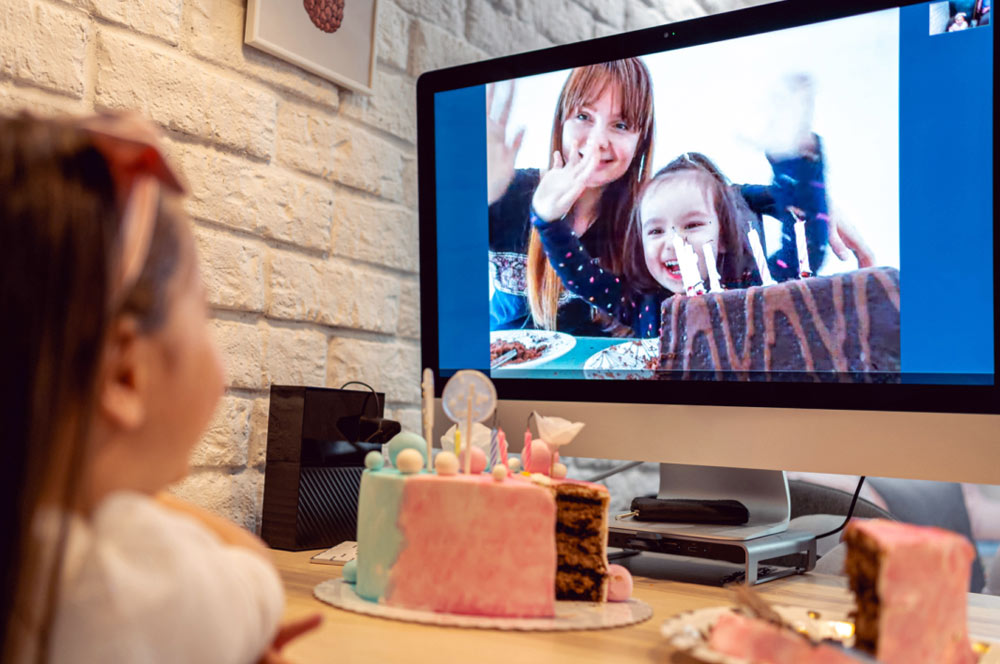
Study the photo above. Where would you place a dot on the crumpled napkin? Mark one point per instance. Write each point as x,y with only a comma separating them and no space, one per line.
480,438
556,431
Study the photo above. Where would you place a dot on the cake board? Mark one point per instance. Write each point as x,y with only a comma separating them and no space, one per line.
570,616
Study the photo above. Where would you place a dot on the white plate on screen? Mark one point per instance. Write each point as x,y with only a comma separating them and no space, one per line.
625,361
553,344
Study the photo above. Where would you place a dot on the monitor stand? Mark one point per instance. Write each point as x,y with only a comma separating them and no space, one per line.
765,537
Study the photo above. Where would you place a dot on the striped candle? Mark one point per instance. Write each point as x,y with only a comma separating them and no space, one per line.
526,452
494,448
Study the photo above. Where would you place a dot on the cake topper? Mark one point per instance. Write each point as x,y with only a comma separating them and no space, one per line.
468,397
557,432
427,410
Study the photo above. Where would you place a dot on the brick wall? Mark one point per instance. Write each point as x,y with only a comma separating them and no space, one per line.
303,193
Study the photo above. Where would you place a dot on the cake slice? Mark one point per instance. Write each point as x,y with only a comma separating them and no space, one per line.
760,641
910,584
581,541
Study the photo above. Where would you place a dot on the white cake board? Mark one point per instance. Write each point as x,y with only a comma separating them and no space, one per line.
569,615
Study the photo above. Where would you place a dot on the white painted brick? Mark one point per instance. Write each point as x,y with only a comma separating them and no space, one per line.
158,18
225,442
364,161
16,98
232,269
184,96
637,17
611,12
565,22
43,45
234,496
332,293
257,447
392,107
682,10
257,198
402,373
410,183
375,232
499,34
357,359
393,35
214,31
434,48
409,309
296,356
242,348
449,15
306,139
718,6
408,416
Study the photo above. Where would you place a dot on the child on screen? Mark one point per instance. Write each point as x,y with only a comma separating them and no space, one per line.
109,378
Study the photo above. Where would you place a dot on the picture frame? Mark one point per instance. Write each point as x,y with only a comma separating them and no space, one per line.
300,32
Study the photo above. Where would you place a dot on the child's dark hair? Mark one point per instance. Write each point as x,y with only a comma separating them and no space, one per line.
734,257
60,222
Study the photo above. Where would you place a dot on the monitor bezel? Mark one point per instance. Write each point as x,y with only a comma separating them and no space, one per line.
903,396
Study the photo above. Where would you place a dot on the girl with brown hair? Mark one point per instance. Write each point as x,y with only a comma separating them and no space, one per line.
601,146
109,378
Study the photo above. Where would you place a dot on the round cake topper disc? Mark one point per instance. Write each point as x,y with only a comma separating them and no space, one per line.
469,394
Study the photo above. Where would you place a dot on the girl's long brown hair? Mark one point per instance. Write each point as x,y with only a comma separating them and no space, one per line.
618,198
734,257
59,228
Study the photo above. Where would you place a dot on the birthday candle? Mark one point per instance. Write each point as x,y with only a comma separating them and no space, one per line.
468,429
714,279
759,258
526,452
503,447
801,247
458,441
688,262
494,448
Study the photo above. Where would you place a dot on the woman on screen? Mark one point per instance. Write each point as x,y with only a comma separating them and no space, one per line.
604,124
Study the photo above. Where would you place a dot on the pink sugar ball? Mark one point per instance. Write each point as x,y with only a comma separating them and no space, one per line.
478,460
619,584
541,457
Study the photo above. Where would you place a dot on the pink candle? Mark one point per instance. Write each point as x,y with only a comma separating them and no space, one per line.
503,447
526,452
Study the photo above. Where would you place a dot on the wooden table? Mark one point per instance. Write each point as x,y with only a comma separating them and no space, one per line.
350,637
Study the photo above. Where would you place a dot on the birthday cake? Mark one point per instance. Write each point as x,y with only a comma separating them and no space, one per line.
910,584
841,327
492,544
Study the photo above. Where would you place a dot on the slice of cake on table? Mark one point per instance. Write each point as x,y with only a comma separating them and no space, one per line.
842,327
910,584
479,545
761,642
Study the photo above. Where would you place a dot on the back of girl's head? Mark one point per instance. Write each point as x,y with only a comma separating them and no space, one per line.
60,229
735,259
630,79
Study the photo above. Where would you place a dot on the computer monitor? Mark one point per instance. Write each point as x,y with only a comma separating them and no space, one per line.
888,371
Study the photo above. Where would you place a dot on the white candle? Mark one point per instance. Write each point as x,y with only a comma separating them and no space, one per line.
690,275
801,247
759,258
714,280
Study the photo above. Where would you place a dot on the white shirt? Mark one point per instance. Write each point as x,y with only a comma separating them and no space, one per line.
145,584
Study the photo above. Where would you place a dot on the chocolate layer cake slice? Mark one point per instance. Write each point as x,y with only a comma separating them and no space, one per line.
581,541
839,328
910,584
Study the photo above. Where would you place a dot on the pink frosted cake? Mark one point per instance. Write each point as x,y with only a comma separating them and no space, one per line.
473,544
757,640
911,584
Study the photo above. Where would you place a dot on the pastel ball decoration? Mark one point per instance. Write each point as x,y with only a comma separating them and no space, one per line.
406,440
619,584
374,460
541,457
558,471
499,472
409,461
478,460
514,464
350,573
446,463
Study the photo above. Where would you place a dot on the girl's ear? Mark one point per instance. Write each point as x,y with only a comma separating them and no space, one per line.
124,377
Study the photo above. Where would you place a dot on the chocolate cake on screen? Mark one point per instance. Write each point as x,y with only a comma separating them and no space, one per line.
842,327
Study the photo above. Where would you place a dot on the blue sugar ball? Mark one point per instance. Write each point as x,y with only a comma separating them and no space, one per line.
373,460
406,440
350,572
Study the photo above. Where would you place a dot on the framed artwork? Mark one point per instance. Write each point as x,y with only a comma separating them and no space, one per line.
334,39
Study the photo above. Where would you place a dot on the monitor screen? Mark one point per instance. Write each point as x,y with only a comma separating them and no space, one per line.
788,202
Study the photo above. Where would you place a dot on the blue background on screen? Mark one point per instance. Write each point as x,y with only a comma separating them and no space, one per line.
946,197
462,229
946,207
